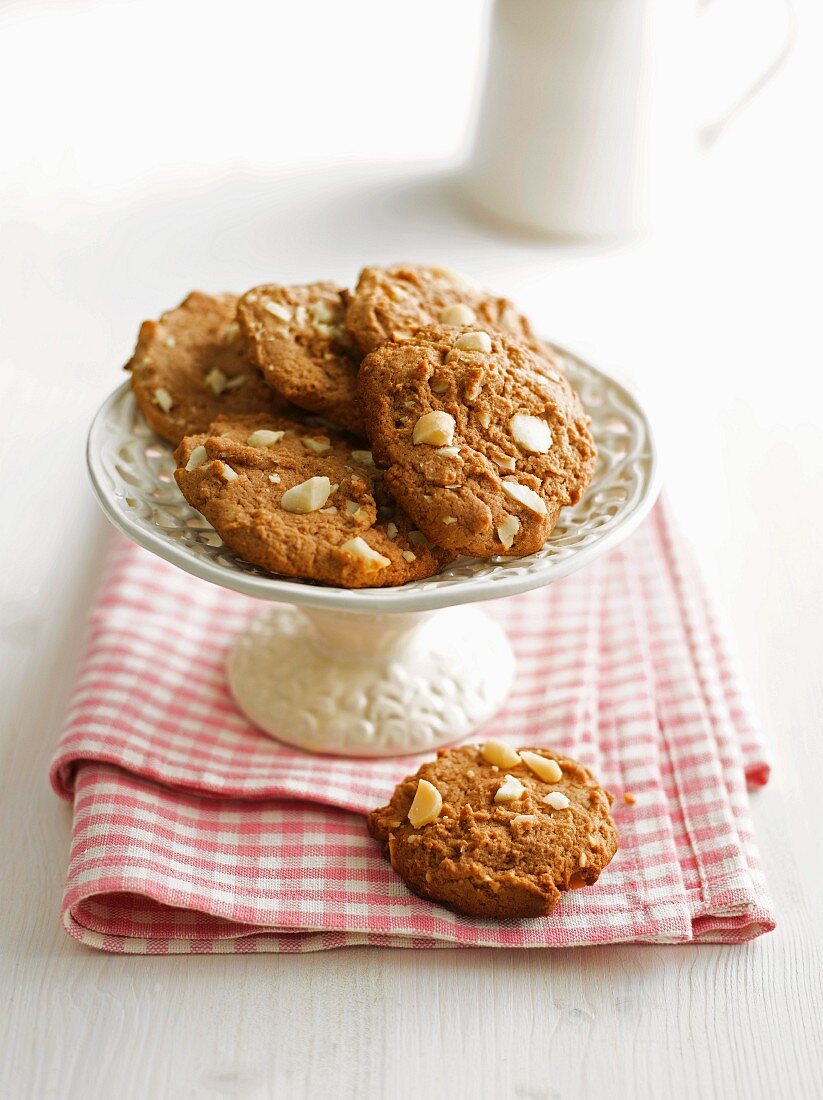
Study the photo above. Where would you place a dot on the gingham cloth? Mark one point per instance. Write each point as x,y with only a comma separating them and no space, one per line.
193,832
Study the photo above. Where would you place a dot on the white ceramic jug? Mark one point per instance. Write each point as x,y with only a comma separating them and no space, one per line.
587,123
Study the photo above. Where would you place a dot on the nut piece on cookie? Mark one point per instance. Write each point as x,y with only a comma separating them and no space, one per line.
427,804
531,433
197,457
435,428
297,511
298,338
370,559
483,441
499,753
543,766
190,367
163,399
522,494
263,438
459,314
510,790
396,300
487,858
507,531
471,341
306,496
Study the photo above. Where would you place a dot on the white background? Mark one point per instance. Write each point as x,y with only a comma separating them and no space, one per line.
149,148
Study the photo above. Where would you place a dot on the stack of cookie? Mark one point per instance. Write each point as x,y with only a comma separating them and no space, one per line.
365,438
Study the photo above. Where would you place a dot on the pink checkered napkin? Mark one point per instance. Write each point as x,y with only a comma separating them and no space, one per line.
194,833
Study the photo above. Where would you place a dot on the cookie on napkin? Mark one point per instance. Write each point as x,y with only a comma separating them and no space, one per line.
493,832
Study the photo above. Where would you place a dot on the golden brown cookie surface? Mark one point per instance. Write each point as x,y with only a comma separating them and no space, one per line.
483,439
404,297
505,843
191,366
303,502
297,336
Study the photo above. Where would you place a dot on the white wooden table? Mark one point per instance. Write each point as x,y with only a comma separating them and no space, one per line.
147,153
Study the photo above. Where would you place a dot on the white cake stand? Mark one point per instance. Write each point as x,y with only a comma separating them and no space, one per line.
374,672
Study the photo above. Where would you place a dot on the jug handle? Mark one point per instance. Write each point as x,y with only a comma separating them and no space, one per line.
709,133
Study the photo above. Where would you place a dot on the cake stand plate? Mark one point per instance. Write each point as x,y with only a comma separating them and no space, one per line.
379,671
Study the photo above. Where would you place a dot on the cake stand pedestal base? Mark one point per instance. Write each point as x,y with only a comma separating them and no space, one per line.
363,684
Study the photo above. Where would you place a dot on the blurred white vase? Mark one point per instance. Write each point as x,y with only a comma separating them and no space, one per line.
587,126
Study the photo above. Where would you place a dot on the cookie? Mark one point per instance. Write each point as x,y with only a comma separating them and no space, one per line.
483,440
493,833
297,337
191,366
301,502
397,300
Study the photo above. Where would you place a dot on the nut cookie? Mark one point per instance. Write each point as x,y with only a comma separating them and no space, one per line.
500,840
298,338
301,502
483,440
191,366
399,299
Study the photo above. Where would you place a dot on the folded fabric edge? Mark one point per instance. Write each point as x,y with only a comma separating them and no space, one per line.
272,941
66,766
230,937
730,906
